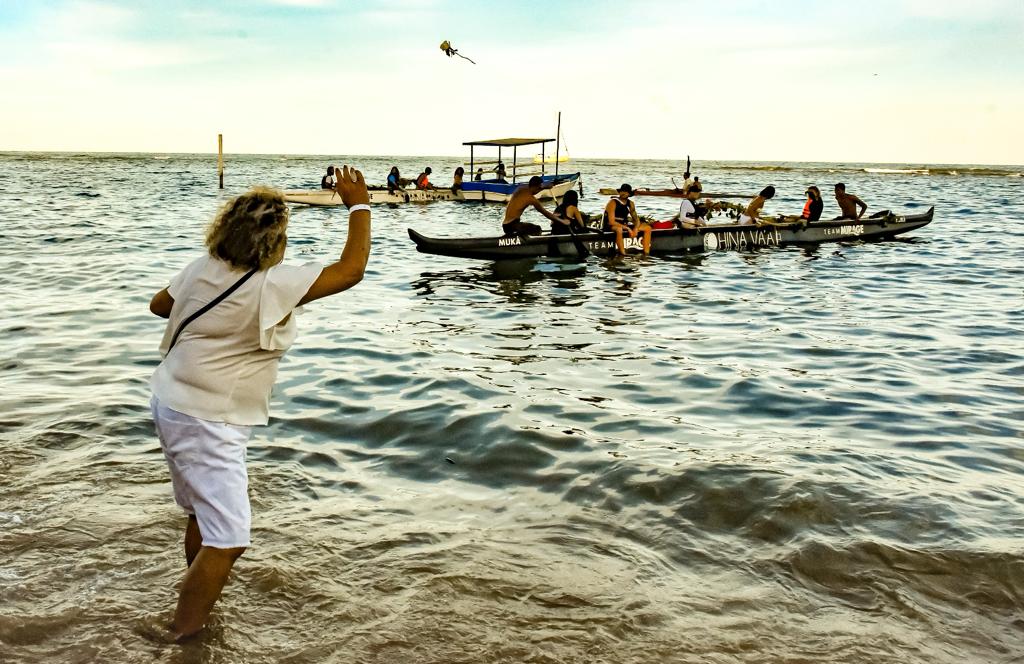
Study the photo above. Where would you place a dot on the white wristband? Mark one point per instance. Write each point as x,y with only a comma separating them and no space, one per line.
357,208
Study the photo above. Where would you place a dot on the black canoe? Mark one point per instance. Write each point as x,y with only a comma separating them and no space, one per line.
729,237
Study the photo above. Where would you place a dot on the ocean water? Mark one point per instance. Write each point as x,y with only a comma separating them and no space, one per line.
788,455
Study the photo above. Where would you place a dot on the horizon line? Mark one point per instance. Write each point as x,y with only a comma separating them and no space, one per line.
420,156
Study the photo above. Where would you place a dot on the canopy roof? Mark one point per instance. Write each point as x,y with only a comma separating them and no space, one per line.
510,142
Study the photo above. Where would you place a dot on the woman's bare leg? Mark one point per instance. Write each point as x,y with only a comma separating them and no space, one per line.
193,540
203,583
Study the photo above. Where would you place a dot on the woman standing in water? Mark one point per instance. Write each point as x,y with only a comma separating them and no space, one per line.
229,322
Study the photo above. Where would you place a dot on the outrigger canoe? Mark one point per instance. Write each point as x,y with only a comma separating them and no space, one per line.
378,195
723,237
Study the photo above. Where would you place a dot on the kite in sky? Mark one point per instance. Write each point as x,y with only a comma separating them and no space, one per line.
446,46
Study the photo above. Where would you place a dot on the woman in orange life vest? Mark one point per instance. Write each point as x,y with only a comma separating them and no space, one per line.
617,216
814,204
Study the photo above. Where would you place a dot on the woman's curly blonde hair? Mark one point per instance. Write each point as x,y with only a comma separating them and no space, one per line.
249,231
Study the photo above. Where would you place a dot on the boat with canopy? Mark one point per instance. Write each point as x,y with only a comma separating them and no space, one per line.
499,190
493,189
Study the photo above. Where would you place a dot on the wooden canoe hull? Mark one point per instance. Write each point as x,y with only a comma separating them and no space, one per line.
732,237
378,195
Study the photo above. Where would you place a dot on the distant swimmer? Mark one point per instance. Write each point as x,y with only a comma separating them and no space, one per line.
620,216
523,198
423,179
752,214
327,181
848,203
814,204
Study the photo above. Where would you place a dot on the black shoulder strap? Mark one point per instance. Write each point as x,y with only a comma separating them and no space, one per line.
210,305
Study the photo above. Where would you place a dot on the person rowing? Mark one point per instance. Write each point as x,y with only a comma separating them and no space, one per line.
523,198
620,216
848,203
751,215
569,219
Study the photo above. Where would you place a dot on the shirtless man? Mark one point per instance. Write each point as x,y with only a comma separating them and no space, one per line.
752,213
848,203
523,198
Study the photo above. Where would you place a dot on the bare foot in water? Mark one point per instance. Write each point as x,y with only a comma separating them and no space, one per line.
158,629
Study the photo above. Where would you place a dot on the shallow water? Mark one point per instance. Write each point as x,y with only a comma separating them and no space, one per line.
799,455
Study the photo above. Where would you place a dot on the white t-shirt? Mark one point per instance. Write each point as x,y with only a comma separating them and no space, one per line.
687,210
225,362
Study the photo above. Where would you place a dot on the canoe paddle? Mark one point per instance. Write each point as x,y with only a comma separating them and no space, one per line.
580,247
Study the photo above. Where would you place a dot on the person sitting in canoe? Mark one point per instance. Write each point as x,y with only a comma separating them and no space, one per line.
620,216
569,218
523,198
479,175
751,214
499,172
814,204
457,179
394,180
423,179
848,203
686,182
689,216
327,181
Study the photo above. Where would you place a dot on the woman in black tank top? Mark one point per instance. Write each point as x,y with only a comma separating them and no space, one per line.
569,215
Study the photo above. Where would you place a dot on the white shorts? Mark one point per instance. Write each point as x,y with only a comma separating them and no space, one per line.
744,220
207,464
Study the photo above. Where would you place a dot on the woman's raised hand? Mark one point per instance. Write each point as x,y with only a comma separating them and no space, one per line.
352,187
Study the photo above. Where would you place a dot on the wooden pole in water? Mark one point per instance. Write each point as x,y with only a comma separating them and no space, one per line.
220,159
558,134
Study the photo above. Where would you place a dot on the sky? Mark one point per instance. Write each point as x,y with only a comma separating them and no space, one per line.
900,81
